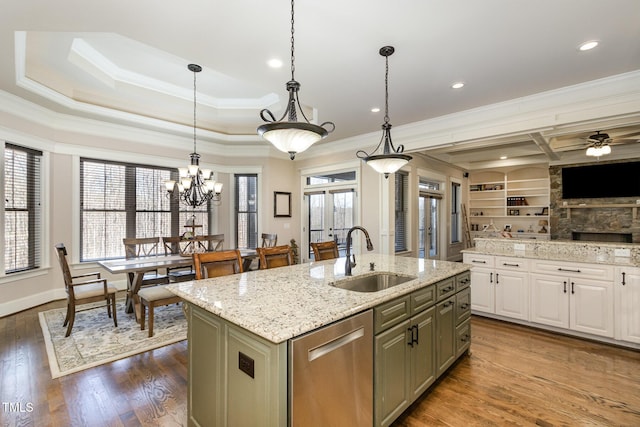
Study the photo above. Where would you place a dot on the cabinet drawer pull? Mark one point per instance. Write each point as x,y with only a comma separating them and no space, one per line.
464,338
506,264
478,261
447,289
448,303
464,306
568,269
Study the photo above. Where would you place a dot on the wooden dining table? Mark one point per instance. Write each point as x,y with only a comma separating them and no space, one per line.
135,268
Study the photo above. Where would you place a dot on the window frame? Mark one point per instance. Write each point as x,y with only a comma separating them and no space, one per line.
36,168
401,212
455,235
176,209
255,213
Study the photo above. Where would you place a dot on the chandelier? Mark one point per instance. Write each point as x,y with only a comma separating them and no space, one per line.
390,159
292,136
195,186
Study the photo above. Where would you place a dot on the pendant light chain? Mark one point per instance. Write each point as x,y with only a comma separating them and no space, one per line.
194,112
293,57
386,90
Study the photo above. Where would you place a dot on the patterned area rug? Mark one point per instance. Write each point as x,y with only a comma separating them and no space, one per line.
95,341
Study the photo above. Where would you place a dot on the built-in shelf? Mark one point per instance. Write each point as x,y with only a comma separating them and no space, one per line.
634,207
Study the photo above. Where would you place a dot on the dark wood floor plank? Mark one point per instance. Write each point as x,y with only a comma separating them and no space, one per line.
514,375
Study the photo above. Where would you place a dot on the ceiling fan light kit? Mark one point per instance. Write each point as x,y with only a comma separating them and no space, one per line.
390,159
292,136
599,145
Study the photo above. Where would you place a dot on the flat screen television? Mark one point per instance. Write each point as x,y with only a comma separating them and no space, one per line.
606,180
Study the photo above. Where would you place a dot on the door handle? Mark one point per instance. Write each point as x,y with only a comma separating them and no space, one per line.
410,329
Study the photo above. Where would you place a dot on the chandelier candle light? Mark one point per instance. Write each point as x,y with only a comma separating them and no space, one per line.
390,159
195,186
292,136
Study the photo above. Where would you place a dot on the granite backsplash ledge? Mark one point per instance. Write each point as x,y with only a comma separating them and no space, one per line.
596,252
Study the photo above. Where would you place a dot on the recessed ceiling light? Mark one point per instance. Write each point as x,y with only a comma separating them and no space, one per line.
375,110
457,85
503,157
274,63
588,45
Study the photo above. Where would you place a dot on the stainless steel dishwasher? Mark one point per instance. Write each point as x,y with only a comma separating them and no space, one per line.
331,381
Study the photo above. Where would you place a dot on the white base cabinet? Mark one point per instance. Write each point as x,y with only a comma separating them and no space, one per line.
500,285
588,300
627,300
576,297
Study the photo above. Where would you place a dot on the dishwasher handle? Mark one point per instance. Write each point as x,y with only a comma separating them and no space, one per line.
335,344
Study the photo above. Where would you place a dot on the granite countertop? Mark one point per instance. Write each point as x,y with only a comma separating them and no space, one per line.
282,303
561,250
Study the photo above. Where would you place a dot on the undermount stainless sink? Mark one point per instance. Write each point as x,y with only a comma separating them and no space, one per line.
372,283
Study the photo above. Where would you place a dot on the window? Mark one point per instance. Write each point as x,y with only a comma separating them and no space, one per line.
401,209
246,207
455,212
22,211
119,200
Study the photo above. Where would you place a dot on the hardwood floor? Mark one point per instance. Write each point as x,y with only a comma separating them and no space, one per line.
513,376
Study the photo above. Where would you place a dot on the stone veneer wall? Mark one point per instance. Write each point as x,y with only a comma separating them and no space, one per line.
596,220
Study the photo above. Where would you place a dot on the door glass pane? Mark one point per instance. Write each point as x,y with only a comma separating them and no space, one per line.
316,219
342,218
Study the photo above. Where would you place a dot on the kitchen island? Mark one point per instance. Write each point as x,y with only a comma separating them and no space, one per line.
241,330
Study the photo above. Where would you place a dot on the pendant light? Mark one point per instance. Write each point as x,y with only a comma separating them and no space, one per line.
292,136
390,159
195,186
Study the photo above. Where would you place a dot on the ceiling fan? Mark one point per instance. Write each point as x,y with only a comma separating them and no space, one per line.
597,144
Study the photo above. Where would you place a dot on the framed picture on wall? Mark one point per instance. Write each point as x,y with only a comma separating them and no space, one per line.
281,204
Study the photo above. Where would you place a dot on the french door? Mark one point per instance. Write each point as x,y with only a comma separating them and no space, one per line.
330,215
428,227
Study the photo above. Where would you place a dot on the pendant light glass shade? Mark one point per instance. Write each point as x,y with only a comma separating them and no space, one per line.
385,158
292,136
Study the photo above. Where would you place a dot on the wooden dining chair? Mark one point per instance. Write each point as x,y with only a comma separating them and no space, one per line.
277,256
142,247
178,274
324,250
152,297
269,240
84,288
210,242
216,264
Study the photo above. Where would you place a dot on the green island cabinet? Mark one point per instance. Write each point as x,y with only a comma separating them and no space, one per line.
417,338
237,378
